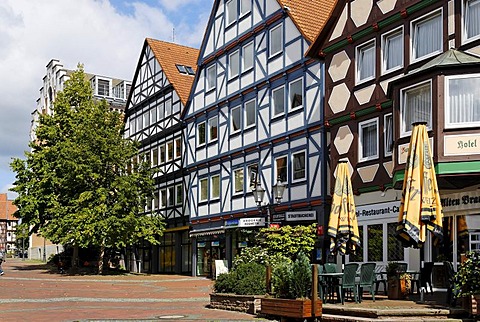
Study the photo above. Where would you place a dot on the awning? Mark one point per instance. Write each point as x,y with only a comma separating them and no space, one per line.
207,231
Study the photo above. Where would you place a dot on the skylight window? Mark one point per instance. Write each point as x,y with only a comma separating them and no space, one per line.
187,70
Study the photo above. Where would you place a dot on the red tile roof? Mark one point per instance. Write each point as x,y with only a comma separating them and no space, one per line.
310,16
7,208
170,54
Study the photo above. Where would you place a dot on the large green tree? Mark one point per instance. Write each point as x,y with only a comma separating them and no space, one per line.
76,185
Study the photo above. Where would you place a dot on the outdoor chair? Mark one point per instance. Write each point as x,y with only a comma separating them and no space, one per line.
322,284
450,274
367,279
348,282
402,268
424,278
330,267
380,278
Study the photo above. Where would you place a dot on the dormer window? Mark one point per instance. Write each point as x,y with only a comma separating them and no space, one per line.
186,70
103,87
181,69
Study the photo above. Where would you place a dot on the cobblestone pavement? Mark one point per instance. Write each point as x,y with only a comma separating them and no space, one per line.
32,291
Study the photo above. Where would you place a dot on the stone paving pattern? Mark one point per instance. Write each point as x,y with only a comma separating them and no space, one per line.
33,291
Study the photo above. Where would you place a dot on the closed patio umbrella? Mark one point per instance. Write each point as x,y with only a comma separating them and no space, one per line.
420,208
343,225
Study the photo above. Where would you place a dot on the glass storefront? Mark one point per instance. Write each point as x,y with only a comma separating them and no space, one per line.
209,248
167,253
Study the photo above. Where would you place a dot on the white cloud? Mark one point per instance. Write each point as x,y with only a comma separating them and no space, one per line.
105,40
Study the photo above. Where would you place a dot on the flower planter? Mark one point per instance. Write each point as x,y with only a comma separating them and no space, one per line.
299,308
397,289
471,304
233,302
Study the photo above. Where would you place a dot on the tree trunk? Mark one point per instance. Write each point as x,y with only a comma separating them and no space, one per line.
75,258
100,259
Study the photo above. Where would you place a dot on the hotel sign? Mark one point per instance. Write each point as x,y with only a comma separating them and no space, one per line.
462,144
403,151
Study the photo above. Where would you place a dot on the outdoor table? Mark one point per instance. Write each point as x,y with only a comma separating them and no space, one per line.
331,280
415,278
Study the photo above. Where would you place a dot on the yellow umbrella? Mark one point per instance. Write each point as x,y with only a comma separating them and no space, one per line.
343,225
421,208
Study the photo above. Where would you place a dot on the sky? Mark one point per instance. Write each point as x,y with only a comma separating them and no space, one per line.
106,36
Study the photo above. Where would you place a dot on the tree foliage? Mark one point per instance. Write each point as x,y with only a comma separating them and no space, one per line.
74,186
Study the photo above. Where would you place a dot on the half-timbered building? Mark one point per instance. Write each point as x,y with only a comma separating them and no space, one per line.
255,117
389,64
160,90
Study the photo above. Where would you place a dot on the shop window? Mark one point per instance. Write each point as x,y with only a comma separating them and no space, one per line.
358,257
375,243
395,250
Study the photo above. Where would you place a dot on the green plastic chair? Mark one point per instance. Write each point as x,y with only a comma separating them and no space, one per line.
330,267
348,282
367,279
322,284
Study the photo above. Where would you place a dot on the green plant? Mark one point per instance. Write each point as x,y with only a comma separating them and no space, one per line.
392,269
292,280
245,279
467,278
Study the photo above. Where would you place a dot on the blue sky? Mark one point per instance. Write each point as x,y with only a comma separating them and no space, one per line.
104,35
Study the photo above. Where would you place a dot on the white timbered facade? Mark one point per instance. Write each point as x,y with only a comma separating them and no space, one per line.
161,86
255,114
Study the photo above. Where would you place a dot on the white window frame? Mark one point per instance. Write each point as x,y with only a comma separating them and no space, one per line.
413,23
171,196
448,124
361,157
203,182
210,122
229,5
244,11
234,62
248,51
290,97
403,131
178,152
212,196
172,156
199,136
465,38
168,106
371,44
282,88
249,174
97,80
154,159
163,202
270,43
211,71
304,164
236,108
392,34
385,130
177,187
248,105
286,167
239,170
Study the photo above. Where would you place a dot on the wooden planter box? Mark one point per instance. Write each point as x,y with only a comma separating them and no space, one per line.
397,289
300,308
472,304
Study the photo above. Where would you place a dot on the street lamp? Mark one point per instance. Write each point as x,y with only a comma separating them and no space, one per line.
277,192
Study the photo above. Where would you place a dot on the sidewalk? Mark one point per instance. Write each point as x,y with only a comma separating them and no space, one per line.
33,291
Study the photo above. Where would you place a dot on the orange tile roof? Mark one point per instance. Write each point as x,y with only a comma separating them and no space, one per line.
170,54
310,16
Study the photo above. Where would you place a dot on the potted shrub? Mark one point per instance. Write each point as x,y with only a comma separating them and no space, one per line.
396,280
291,290
467,282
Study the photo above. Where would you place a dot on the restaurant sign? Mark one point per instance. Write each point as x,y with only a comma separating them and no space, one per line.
403,151
378,210
460,201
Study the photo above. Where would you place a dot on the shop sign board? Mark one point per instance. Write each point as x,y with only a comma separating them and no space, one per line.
278,217
464,144
231,223
460,201
378,210
403,151
300,215
251,222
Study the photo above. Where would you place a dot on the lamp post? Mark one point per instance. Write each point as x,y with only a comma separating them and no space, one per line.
277,191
